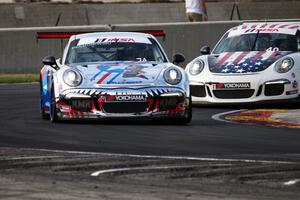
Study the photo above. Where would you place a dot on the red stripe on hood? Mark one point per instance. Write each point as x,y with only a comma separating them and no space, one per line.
257,55
225,57
241,56
103,78
274,54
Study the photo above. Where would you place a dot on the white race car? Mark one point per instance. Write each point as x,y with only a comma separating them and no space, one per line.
252,62
114,75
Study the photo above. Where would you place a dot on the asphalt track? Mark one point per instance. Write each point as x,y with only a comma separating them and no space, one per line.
21,126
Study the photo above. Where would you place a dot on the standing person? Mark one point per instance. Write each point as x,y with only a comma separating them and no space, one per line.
196,10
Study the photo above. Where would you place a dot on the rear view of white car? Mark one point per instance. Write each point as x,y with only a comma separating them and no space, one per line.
252,62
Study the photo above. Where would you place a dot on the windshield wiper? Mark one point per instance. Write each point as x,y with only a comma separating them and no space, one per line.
256,36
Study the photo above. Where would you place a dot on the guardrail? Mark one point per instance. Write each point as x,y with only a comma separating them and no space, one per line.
21,52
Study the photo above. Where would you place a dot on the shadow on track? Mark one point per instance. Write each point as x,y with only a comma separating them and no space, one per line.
130,122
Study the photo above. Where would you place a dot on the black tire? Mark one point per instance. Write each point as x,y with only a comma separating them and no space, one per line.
53,111
42,105
189,112
188,115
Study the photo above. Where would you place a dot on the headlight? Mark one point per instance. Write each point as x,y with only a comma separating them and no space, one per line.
284,65
196,67
172,76
72,78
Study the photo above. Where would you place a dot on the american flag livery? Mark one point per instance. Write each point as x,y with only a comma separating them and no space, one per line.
243,62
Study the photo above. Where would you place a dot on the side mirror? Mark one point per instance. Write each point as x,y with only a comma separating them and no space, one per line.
205,50
178,58
50,60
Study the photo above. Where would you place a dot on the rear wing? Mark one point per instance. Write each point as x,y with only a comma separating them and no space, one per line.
66,35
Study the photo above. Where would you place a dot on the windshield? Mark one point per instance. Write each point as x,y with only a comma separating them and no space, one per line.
114,51
257,42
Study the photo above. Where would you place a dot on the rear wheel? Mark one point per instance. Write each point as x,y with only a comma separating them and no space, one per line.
53,111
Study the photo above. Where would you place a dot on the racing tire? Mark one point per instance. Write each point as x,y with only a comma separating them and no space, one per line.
53,111
180,120
42,105
189,113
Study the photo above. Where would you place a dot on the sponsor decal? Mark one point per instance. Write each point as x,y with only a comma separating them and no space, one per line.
285,28
130,98
126,82
108,40
100,40
110,73
81,104
271,30
134,71
242,85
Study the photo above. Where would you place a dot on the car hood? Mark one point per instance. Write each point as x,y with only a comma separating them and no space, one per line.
243,62
120,73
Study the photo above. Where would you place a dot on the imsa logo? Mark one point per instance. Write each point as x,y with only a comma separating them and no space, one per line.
130,98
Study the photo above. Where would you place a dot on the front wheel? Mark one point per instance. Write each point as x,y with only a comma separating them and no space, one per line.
53,111
189,112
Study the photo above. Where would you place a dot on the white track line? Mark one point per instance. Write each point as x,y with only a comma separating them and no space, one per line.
218,116
162,157
291,182
29,158
97,173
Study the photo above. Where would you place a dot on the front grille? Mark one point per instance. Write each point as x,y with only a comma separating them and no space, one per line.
198,90
125,107
233,94
274,89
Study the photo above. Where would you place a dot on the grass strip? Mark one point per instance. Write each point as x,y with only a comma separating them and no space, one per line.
19,78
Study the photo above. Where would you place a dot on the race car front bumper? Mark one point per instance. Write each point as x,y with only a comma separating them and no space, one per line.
249,90
122,103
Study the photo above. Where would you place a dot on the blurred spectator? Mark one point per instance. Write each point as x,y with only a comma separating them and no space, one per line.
196,10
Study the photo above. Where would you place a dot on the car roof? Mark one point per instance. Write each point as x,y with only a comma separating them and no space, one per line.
112,34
